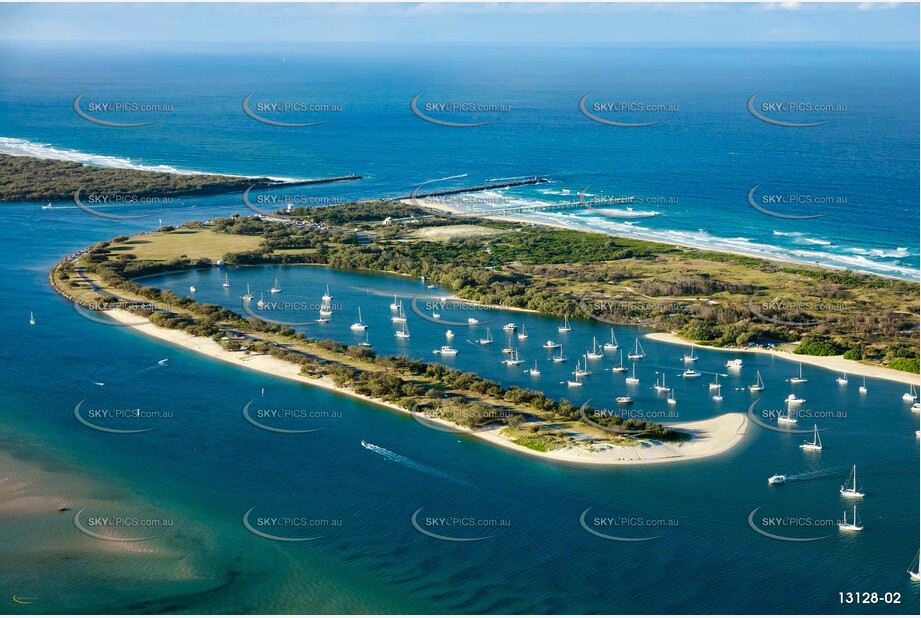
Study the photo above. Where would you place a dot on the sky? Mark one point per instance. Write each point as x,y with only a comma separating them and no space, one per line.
554,23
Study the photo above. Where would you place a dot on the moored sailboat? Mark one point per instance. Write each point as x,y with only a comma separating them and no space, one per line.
849,489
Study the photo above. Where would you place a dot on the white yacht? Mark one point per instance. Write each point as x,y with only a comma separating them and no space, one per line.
863,387
849,489
758,386
794,400
226,283
449,334
508,349
523,333
716,384
670,399
445,350
624,399
913,569
690,373
393,306
787,418
576,382
487,339
327,297
400,317
719,394
595,354
551,344
632,379
582,371
193,289
511,327
560,358
249,295
366,343
816,444
261,302
690,357
842,379
534,371
326,309
638,351
359,325
799,379
911,395
777,479
31,319
403,333
472,321
620,366
564,327
735,363
513,360
275,288
612,344
660,387
916,407
854,526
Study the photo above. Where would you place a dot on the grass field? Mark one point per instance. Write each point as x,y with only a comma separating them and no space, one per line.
163,247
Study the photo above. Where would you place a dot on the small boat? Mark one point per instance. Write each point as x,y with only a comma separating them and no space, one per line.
401,314
564,327
365,343
275,288
735,363
632,379
799,379
576,382
620,366
787,418
487,339
690,373
326,297
513,360
31,319
431,287
582,371
359,325
436,315
916,407
854,526
403,333
508,349
510,327
719,394
534,371
226,283
913,569
715,385
162,362
816,444
842,379
777,479
48,206
849,489
638,351
661,388
394,305
595,354
249,295
690,357
794,400
758,386
261,302
612,344
193,289
449,334
911,395
445,350
472,321
551,344
624,399
523,334
670,400
863,387
560,358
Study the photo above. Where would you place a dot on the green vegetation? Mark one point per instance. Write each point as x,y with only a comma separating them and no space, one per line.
817,347
32,179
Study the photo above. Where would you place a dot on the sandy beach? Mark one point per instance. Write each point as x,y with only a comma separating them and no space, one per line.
832,363
709,437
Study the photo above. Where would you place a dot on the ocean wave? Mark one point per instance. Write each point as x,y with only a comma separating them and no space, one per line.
24,148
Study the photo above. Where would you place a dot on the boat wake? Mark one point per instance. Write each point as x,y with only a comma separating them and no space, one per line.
816,475
409,463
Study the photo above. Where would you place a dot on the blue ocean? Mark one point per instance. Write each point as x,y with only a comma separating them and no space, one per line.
369,478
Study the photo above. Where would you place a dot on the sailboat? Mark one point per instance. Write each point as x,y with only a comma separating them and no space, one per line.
855,526
326,297
792,399
842,379
394,306
715,385
524,333
595,354
226,281
365,343
47,206
275,288
911,395
849,489
758,385
799,379
638,351
620,366
583,370
786,418
514,360
690,357
449,334
249,295
816,444
508,349
31,319
403,333
564,327
326,309
632,379
671,397
863,387
560,358
261,302
401,314
487,339
193,289
719,394
359,325
913,569
612,344
661,388
533,371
